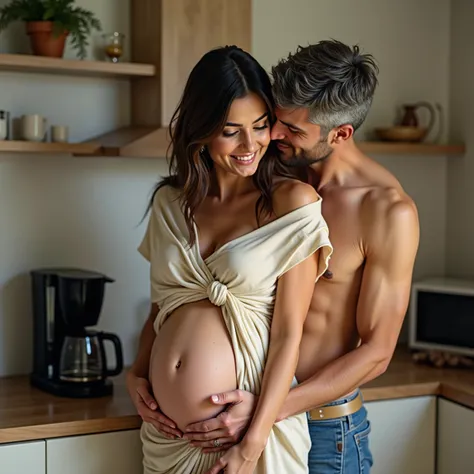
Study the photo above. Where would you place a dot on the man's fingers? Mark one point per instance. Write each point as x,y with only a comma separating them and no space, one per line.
224,398
145,411
156,420
165,430
145,395
172,431
158,416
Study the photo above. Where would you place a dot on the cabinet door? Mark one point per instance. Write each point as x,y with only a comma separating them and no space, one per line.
118,453
191,29
455,438
174,35
403,436
21,458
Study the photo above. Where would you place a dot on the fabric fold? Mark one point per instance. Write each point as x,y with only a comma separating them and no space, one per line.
240,278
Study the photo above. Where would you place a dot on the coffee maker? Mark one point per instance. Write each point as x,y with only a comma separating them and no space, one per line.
68,358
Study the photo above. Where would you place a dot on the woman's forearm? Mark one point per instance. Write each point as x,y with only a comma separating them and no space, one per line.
279,373
285,338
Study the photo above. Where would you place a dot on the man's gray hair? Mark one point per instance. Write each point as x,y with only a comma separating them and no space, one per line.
334,81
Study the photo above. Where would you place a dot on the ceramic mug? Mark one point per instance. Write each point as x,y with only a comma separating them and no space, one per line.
33,127
59,133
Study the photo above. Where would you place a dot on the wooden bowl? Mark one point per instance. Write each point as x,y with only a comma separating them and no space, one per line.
401,133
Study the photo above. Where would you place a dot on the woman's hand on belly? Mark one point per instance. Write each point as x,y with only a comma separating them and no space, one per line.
140,392
227,428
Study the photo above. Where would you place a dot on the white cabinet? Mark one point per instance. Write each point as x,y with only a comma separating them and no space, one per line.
22,458
403,436
455,438
118,453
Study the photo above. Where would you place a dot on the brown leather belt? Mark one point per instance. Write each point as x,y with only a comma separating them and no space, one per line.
336,411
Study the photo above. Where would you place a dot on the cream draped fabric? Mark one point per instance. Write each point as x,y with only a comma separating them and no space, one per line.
240,277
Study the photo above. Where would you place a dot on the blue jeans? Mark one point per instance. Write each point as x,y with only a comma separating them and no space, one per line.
340,445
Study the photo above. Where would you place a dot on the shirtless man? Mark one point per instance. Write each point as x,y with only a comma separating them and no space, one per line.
324,93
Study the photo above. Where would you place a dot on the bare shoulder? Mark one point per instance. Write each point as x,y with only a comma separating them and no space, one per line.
290,194
384,198
389,203
379,196
388,213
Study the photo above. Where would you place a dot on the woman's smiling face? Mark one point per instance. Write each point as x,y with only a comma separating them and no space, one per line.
244,140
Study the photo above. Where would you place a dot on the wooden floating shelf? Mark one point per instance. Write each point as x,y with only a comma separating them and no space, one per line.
72,67
17,146
390,148
152,142
133,142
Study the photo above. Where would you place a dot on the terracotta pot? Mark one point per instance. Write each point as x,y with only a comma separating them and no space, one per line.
43,41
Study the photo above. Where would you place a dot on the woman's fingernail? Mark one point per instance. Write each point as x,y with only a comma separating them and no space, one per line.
215,398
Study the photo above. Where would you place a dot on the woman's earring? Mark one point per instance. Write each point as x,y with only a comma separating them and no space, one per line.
201,151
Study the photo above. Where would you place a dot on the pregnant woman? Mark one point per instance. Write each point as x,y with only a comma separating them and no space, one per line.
234,249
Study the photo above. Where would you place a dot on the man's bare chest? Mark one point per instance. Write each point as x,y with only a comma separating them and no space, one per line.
346,236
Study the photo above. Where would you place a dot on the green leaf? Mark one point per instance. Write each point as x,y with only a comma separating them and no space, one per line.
48,14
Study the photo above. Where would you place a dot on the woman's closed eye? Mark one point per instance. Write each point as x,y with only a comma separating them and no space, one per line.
259,128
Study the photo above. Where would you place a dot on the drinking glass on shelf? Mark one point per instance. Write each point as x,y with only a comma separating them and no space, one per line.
113,46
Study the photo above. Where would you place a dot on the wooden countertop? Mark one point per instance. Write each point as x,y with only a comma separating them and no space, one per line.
27,413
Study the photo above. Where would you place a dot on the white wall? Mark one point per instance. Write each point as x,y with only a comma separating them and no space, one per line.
64,211
460,222
84,211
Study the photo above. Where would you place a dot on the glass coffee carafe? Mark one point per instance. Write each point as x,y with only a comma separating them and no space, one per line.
83,358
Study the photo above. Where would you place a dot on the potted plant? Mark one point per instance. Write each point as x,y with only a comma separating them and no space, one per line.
49,22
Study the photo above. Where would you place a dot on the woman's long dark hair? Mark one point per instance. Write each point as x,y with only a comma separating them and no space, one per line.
221,76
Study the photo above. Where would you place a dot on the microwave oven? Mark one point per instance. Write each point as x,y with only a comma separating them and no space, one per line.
441,316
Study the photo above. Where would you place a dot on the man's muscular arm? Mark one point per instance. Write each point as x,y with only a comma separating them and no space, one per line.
392,242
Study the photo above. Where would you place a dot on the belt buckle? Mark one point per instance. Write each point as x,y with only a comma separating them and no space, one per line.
317,414
320,413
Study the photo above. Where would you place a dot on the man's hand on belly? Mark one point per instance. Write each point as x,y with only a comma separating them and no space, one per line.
228,427
140,392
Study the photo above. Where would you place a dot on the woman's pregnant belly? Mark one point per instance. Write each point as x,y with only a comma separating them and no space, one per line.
192,358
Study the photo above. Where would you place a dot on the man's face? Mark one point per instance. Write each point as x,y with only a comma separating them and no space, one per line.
299,142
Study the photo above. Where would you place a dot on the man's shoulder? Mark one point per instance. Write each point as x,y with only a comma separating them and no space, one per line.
382,201
388,213
384,193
